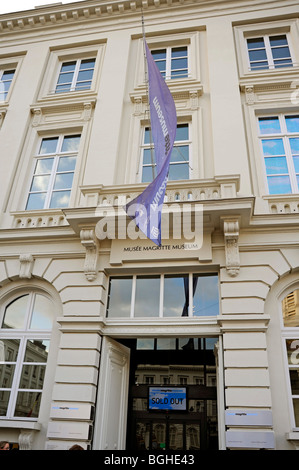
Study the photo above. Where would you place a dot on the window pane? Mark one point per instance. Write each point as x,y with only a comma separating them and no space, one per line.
9,349
294,143
37,350
166,343
28,404
119,301
60,199
278,40
68,66
182,132
147,298
36,201
32,377
269,125
63,181
281,53
6,377
178,171
15,312
180,153
159,54
84,75
292,123
48,145
257,55
70,143
174,296
279,185
255,43
87,63
296,164
66,164
44,165
65,78
40,183
4,403
206,296
290,309
42,315
147,174
296,410
294,377
273,147
276,165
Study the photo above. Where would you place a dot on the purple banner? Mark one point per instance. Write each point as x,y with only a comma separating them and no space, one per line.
146,208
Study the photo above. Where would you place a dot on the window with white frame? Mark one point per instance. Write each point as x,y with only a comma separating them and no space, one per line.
172,61
75,75
279,139
290,314
53,173
179,160
6,77
269,52
163,296
26,326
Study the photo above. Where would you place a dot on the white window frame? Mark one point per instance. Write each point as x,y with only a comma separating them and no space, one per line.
56,156
268,49
168,59
2,71
75,75
177,143
161,299
285,136
23,335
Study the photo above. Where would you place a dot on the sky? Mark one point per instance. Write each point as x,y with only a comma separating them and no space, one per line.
18,5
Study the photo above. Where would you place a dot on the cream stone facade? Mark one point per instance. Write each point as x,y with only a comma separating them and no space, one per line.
69,254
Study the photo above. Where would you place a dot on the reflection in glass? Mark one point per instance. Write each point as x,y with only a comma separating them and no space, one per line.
28,404
4,403
294,377
32,377
176,436
174,296
119,301
290,309
147,298
6,375
193,437
206,298
158,440
296,411
15,312
37,350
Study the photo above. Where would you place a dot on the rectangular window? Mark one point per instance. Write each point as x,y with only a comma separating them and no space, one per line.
269,52
179,160
172,61
53,172
6,77
163,296
75,75
279,137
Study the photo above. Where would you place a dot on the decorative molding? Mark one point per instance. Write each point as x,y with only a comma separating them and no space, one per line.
26,265
231,239
90,243
25,439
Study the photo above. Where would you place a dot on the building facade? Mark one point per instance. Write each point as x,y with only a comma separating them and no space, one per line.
107,340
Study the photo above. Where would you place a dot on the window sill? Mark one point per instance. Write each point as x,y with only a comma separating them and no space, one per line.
19,424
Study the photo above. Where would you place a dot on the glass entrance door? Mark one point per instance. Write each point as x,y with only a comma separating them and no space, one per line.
169,369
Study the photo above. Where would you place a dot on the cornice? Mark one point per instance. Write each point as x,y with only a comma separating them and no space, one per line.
58,14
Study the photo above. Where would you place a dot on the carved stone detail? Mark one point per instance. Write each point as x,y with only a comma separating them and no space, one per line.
26,265
231,238
25,440
90,243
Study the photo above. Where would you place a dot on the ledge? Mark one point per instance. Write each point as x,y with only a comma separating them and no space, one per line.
19,424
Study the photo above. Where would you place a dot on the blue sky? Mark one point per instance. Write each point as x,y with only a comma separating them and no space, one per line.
18,5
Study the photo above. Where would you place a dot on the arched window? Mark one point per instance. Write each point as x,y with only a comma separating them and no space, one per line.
290,317
26,324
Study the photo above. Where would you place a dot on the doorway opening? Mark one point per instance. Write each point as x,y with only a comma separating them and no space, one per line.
172,394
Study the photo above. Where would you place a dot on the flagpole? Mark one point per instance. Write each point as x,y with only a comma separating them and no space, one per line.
147,96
